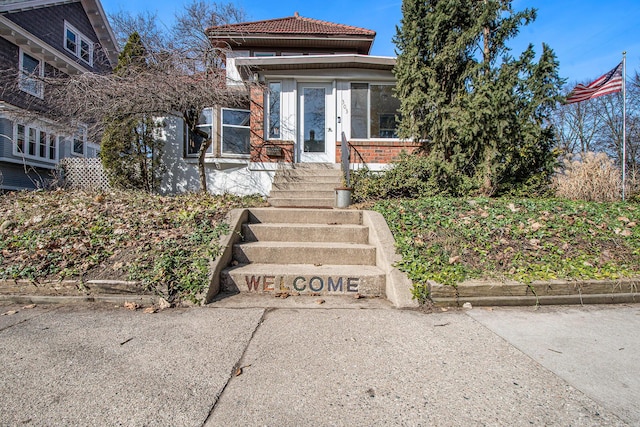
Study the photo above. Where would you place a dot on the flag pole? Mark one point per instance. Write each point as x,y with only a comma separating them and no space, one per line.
624,123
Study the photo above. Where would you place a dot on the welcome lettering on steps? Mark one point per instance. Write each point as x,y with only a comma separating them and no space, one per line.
314,284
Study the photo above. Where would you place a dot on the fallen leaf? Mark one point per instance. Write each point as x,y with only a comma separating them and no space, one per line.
9,313
150,310
320,301
357,296
131,305
623,219
27,307
238,372
454,259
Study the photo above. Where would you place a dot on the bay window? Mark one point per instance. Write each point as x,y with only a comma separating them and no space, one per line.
35,143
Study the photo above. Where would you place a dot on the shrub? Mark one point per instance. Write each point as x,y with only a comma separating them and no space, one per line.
591,177
412,176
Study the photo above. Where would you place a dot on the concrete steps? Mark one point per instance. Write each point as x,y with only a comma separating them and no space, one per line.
305,185
344,233
306,251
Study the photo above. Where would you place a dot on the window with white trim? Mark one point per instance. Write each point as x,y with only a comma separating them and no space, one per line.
194,141
78,44
235,132
36,143
273,114
31,74
79,141
373,111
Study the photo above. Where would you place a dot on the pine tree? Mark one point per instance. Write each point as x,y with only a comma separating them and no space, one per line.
480,114
130,152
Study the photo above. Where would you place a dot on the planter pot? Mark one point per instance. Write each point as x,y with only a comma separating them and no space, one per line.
343,197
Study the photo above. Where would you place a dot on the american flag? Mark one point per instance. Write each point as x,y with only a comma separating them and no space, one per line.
603,85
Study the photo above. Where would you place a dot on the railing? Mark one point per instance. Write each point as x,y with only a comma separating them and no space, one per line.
349,155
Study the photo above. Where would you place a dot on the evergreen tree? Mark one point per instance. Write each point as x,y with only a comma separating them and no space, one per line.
480,114
130,152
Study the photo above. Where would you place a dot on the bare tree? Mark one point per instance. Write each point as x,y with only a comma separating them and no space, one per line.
155,35
189,34
171,86
576,126
596,125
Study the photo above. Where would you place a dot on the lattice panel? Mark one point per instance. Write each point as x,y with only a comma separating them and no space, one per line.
84,174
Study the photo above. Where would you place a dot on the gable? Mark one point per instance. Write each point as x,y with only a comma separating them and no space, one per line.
45,20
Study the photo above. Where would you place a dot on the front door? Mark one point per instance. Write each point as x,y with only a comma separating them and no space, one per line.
316,123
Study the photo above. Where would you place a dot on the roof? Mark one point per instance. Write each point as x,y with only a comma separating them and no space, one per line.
93,9
294,31
295,25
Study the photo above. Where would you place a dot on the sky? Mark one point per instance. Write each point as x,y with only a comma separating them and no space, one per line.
587,36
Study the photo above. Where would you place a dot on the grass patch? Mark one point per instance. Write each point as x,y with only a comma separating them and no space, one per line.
449,240
164,242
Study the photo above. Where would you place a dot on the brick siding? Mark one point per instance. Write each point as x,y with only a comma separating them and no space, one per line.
382,151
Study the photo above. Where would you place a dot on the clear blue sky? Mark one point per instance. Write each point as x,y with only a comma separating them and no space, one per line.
587,36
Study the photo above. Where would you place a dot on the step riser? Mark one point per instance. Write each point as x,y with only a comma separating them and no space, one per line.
299,203
323,284
309,172
274,254
302,216
305,233
298,194
305,186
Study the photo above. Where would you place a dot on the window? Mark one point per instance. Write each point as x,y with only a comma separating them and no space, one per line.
53,147
275,89
19,139
42,146
78,44
194,141
79,141
32,142
31,73
235,131
263,54
373,111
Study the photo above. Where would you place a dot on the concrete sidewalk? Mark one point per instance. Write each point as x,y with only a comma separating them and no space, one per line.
298,362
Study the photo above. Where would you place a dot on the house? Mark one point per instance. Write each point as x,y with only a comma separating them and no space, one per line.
312,82
41,38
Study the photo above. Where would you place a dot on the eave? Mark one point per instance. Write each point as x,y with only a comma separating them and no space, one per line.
95,12
30,43
315,62
358,44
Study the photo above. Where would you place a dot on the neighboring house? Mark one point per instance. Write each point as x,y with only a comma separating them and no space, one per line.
42,38
316,82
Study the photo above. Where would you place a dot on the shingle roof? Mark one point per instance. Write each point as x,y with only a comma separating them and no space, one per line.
294,25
